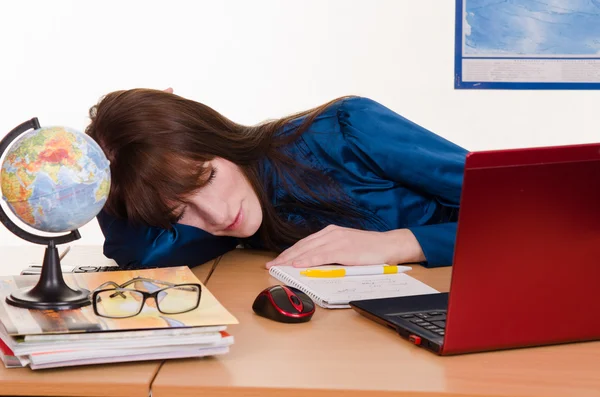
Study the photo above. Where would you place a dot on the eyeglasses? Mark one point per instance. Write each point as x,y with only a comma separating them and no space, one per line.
119,301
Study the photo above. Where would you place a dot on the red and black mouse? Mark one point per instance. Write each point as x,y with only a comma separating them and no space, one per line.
284,304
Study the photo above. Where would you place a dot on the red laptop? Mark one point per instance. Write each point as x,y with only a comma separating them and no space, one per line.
526,266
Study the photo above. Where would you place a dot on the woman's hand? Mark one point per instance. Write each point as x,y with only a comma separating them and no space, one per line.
351,247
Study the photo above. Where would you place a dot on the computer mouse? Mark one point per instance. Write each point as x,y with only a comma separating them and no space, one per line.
284,304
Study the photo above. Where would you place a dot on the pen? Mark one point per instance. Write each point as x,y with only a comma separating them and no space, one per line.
355,271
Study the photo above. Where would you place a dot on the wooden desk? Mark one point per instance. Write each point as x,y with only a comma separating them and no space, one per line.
340,353
110,380
130,379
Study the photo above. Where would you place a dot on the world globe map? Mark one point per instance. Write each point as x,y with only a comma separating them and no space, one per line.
55,179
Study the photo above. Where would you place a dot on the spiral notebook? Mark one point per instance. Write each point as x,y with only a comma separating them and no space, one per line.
336,293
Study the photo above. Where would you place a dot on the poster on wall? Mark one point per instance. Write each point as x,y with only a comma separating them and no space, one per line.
527,44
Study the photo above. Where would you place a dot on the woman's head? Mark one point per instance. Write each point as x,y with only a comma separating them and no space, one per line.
177,160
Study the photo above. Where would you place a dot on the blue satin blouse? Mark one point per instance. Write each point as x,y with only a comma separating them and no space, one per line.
396,173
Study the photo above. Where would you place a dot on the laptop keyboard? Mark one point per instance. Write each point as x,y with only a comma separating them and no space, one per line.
434,321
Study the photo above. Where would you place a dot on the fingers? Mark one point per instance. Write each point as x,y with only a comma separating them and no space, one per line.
287,257
322,254
168,90
308,250
302,247
320,257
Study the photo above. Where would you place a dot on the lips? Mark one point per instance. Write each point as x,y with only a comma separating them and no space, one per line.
236,222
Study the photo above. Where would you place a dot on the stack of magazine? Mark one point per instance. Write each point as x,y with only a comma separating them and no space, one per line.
48,339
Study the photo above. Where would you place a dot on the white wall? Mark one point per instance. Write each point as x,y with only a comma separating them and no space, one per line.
260,59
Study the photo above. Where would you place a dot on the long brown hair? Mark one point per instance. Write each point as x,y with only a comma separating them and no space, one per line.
157,142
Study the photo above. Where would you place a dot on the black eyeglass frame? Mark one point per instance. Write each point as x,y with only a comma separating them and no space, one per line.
146,295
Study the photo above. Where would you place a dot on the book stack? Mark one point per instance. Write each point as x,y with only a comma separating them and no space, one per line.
48,339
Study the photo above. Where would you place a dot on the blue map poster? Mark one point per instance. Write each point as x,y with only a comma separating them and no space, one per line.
527,44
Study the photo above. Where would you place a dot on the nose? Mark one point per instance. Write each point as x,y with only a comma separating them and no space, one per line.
212,211
214,214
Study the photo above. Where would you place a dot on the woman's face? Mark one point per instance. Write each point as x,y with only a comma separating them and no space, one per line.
226,206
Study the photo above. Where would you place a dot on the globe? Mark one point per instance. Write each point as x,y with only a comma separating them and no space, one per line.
55,179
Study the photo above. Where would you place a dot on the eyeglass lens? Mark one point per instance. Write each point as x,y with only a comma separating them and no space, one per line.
123,302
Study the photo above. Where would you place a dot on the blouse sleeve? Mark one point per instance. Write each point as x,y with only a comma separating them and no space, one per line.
402,151
145,247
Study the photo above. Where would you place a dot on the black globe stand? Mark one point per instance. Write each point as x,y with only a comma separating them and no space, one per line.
51,292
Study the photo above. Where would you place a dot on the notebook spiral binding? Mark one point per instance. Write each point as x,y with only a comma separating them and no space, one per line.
283,277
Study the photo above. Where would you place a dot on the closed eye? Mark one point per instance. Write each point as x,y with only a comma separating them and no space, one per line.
211,177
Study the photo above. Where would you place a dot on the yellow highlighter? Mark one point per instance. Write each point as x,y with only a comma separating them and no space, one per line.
355,271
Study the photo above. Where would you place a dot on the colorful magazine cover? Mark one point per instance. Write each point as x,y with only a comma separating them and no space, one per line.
21,322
